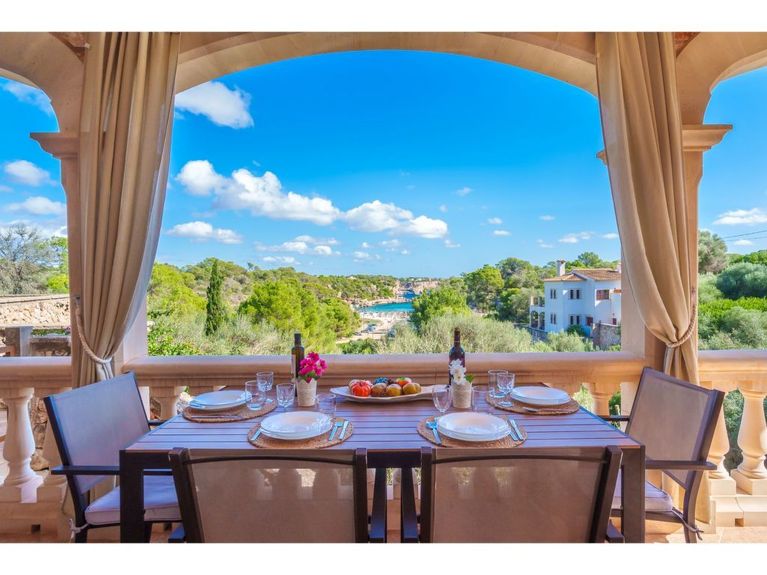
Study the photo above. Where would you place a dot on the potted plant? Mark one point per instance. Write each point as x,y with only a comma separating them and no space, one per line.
461,386
310,370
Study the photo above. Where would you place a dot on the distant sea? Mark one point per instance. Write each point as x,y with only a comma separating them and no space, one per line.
400,306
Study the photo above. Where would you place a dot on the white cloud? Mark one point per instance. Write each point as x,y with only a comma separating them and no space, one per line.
743,243
203,231
39,206
27,173
443,208
542,244
742,217
5,188
221,105
377,216
311,240
279,260
464,191
28,95
391,245
365,245
501,233
303,245
494,221
576,237
199,178
324,251
546,218
405,252
611,236
451,245
424,227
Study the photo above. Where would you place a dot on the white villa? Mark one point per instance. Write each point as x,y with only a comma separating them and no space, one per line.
582,297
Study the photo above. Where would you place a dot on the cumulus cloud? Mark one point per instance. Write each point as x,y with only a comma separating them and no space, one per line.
742,217
221,105
303,245
391,245
39,206
27,173
405,252
279,260
743,243
611,236
365,245
464,191
494,221
360,256
451,245
501,233
576,237
377,216
203,231
543,244
28,95
546,218
200,179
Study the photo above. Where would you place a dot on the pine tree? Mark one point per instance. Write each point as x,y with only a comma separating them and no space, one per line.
214,313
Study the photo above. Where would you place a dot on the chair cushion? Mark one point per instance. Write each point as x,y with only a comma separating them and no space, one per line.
654,499
160,503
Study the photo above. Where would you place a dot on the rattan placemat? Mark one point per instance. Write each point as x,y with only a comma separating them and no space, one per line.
426,433
240,413
519,407
319,442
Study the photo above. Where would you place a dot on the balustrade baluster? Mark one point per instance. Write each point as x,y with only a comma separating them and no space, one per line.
21,482
751,475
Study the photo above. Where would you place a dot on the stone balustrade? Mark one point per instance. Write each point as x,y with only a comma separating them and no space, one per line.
729,499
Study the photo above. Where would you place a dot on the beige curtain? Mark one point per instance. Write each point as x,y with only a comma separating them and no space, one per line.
125,129
643,141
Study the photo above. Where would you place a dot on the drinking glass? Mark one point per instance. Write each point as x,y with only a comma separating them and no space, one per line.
505,385
441,395
492,383
257,395
285,394
477,397
326,403
265,380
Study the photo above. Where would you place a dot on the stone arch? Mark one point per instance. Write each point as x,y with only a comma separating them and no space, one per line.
568,57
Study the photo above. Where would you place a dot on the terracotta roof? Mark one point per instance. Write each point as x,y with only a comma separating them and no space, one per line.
579,274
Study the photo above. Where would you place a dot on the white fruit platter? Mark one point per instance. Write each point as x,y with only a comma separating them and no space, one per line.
347,392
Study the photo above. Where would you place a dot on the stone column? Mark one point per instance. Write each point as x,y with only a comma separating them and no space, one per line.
18,337
21,483
751,475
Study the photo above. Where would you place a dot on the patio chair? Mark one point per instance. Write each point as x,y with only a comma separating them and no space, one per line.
91,425
272,495
675,420
522,495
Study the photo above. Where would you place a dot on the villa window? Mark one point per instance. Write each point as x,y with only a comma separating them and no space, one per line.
603,294
553,293
575,294
589,321
575,320
553,319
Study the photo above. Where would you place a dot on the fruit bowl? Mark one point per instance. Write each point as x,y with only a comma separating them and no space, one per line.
398,391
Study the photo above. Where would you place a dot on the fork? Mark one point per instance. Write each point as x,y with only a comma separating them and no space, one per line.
336,427
433,426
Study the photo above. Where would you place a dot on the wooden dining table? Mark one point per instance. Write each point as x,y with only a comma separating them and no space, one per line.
389,434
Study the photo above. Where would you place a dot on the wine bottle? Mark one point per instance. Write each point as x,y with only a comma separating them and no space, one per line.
456,353
296,356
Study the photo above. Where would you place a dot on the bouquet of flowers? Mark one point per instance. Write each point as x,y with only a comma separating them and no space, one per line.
461,384
312,367
458,371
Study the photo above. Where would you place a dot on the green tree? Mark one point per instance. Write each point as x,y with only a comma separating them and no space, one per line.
743,280
170,293
590,260
58,275
514,305
24,260
437,302
707,290
564,341
482,287
758,257
712,253
215,312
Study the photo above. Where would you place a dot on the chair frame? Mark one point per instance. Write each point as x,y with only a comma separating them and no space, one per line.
81,501
600,522
185,486
698,465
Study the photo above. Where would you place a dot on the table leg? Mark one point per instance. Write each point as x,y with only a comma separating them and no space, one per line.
131,498
633,495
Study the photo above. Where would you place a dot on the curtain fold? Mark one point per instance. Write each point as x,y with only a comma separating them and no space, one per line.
642,127
125,132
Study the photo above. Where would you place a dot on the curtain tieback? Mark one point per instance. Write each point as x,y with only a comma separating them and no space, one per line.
80,334
693,322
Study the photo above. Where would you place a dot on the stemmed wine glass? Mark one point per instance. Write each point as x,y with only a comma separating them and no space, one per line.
442,396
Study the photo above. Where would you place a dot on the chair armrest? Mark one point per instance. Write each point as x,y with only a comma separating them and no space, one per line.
409,516
378,517
156,422
615,418
178,535
681,465
613,535
85,470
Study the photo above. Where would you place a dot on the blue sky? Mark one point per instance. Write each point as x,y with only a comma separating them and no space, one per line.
407,163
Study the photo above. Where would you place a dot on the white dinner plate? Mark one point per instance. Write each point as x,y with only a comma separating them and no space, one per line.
218,400
473,426
539,395
344,392
293,425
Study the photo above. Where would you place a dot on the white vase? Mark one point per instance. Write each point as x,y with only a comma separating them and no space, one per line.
307,392
461,395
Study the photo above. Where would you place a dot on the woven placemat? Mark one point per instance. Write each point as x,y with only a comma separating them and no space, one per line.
319,442
240,413
571,406
426,433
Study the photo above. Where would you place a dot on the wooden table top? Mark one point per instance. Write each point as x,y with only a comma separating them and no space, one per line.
390,427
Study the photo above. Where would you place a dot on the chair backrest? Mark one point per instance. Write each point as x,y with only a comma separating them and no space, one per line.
528,495
93,423
674,419
272,496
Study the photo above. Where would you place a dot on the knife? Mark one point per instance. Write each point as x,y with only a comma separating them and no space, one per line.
343,429
256,434
516,429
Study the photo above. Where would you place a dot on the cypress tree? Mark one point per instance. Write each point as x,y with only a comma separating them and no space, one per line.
214,312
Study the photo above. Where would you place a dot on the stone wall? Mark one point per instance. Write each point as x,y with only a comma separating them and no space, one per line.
606,335
48,310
